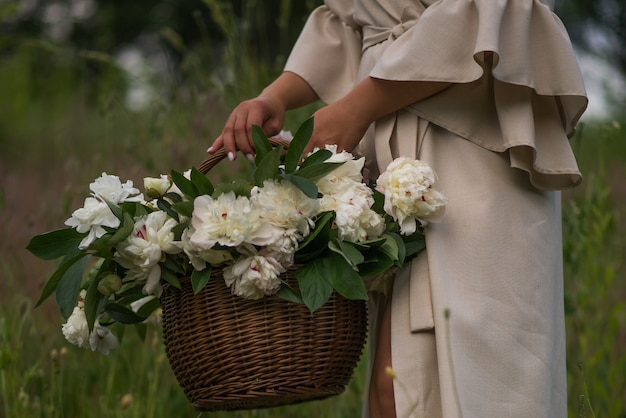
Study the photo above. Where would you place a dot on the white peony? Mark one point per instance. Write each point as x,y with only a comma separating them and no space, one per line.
254,277
198,257
143,249
95,213
92,218
355,220
102,339
284,248
112,189
76,330
344,175
228,220
284,205
409,196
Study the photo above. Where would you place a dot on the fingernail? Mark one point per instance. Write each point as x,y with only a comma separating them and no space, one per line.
250,157
209,149
231,156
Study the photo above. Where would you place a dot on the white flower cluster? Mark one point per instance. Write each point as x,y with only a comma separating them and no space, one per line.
345,193
141,252
253,238
264,229
95,214
409,195
76,330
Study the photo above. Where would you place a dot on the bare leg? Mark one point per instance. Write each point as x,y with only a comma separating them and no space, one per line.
381,397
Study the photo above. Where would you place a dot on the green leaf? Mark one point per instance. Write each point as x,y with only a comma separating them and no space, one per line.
297,145
413,244
185,185
142,331
318,157
370,244
267,168
184,208
179,229
117,210
147,308
114,236
171,278
58,275
391,247
400,248
125,229
375,264
343,278
134,292
69,287
173,197
122,314
379,202
171,264
55,244
320,235
199,279
240,187
348,251
314,286
94,302
307,186
288,293
202,182
134,208
262,145
317,171
166,207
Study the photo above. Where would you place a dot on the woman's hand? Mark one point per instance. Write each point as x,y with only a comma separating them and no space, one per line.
264,111
336,124
267,111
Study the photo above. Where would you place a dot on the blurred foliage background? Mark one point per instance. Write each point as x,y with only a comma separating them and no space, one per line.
137,88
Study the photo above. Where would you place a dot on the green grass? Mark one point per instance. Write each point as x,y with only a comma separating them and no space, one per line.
62,127
41,375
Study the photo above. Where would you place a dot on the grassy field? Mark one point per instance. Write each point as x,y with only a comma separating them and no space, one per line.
62,127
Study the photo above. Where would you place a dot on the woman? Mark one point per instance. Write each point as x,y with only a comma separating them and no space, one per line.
487,93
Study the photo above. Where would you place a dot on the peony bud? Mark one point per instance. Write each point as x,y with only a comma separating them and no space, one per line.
109,284
126,401
157,187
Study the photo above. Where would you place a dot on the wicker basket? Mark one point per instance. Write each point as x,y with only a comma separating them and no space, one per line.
231,353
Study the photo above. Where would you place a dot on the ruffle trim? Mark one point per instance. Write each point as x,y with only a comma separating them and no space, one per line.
528,44
517,85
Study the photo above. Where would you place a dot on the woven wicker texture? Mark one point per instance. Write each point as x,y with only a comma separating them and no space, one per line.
230,353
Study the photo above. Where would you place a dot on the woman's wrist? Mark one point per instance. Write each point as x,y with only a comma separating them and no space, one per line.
375,98
289,91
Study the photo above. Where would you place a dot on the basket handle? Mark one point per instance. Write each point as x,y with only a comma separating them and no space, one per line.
212,159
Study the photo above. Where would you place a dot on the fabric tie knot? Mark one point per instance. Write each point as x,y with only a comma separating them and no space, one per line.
373,35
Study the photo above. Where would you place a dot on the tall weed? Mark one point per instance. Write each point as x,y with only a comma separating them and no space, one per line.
594,293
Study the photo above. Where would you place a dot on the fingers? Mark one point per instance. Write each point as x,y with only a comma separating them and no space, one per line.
237,132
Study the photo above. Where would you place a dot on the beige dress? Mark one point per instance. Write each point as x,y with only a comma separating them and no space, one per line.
477,320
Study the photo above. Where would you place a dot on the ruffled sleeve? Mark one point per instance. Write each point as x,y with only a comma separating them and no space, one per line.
516,81
328,51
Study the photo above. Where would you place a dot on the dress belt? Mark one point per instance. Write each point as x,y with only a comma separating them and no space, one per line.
373,35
